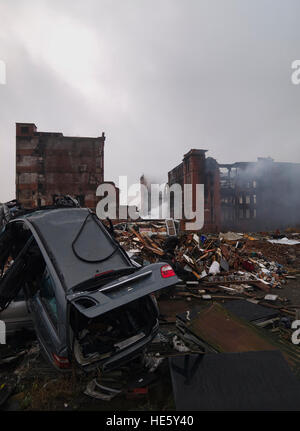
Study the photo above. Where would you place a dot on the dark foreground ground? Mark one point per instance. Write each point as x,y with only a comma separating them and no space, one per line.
32,383
38,386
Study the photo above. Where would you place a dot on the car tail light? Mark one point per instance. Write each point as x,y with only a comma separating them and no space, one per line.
167,271
61,361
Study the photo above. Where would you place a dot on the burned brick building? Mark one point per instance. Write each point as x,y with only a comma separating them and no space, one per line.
50,164
197,169
243,196
262,195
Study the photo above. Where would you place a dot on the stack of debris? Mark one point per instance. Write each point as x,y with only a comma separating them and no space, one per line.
228,260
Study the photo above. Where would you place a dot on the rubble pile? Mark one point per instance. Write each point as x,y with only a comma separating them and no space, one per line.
232,263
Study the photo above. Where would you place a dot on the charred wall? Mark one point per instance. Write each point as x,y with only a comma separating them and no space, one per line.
258,196
197,169
243,196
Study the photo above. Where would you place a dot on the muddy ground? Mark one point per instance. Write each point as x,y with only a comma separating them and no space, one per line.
38,386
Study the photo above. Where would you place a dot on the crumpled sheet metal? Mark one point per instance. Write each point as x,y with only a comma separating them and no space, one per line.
100,392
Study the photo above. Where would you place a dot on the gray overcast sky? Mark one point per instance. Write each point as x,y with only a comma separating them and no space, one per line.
158,76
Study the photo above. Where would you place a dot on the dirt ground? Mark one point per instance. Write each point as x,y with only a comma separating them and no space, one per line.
38,386
291,291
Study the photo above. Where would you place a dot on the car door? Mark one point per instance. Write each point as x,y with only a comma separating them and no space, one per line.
44,306
16,315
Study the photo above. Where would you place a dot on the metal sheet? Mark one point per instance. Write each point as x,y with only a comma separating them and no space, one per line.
249,311
225,332
234,381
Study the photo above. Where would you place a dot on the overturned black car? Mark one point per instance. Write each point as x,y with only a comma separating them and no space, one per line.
88,300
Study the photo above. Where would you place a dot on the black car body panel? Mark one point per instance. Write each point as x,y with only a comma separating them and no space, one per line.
121,291
94,251
81,287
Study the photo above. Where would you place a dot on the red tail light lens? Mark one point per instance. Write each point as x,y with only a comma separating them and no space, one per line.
167,271
61,361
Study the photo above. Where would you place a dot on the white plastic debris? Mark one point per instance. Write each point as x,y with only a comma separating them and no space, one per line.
284,241
196,238
179,345
133,251
203,274
187,268
214,268
188,259
271,297
231,236
152,362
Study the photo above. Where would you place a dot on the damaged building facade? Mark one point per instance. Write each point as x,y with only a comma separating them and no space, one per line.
50,164
262,195
197,169
242,196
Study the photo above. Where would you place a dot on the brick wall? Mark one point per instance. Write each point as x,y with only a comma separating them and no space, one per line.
197,169
50,164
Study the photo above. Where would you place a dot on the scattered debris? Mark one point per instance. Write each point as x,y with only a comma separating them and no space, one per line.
179,345
7,387
271,297
229,299
100,392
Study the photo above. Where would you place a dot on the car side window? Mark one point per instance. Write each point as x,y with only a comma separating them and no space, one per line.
47,295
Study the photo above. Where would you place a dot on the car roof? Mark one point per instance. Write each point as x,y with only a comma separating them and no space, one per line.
77,243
